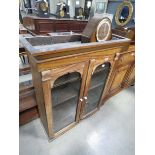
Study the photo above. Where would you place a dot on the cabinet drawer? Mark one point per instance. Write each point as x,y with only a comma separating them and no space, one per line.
126,58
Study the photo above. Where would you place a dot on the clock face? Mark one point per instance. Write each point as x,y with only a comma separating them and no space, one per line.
43,6
80,12
104,30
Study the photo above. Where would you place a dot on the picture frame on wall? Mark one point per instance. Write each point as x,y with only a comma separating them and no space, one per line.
100,6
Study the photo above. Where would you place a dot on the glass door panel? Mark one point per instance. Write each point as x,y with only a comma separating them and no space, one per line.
97,84
65,94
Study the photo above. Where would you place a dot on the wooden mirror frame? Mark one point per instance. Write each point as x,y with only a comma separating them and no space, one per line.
119,9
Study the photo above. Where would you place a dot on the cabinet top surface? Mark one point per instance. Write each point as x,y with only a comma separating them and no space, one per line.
42,45
54,18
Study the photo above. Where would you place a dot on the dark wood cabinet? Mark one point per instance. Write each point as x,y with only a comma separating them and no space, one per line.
47,25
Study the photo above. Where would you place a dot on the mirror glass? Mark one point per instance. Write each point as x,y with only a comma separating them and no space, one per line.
124,13
100,6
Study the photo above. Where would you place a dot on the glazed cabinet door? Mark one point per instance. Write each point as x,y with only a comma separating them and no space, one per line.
63,88
96,79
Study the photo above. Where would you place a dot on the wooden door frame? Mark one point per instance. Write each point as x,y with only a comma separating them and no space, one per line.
93,64
48,79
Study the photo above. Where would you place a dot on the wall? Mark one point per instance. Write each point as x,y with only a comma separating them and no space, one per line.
111,8
95,1
53,7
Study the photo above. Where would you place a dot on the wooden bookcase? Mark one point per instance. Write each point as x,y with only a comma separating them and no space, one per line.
71,80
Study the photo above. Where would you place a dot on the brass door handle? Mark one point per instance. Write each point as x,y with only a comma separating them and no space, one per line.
86,99
81,99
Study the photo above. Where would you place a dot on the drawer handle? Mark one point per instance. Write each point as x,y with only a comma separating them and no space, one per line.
133,54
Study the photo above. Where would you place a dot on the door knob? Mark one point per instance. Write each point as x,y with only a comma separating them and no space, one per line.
81,99
85,98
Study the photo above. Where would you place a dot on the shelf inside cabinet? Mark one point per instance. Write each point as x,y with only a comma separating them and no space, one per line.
93,99
97,84
64,114
64,92
98,80
64,96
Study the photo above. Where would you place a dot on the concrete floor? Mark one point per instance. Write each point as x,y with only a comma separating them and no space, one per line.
110,131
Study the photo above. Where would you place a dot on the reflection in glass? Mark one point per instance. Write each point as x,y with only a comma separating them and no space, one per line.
98,81
124,14
100,6
88,4
65,94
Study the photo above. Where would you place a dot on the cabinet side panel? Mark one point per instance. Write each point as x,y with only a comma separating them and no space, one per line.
37,82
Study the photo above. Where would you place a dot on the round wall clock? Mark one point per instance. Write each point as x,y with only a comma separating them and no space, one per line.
80,12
